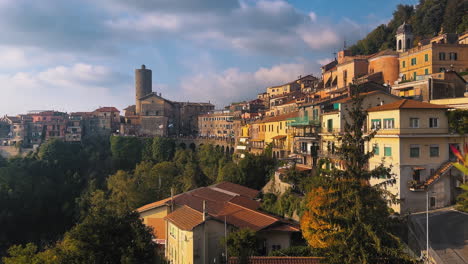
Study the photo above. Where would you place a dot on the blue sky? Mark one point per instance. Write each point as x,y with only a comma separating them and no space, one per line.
77,55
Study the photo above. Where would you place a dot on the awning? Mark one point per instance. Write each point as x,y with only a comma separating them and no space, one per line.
279,137
256,140
419,168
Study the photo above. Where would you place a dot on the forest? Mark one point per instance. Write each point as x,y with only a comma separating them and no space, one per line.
53,200
428,18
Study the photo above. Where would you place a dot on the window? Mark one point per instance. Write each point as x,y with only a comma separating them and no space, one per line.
414,75
441,55
275,247
433,122
414,151
433,201
453,56
330,125
434,150
426,57
376,123
387,151
375,149
414,122
403,77
403,64
413,61
389,123
442,69
426,71
315,114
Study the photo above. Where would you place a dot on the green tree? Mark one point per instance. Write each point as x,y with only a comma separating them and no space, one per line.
126,152
256,169
462,199
163,149
242,243
23,255
350,217
230,172
211,159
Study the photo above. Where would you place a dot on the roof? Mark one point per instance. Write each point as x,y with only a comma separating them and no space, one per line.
406,104
348,99
239,189
159,227
185,218
107,109
404,28
278,260
130,108
280,117
153,205
279,137
242,217
387,52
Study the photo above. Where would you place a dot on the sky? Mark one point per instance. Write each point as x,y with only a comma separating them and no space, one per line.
78,55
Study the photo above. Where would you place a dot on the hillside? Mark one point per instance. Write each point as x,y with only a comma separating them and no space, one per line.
427,19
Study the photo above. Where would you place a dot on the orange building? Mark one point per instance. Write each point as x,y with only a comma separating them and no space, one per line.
387,63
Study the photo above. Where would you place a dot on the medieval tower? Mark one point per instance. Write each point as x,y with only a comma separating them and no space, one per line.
143,85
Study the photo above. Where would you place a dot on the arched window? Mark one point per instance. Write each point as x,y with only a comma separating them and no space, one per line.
408,43
399,44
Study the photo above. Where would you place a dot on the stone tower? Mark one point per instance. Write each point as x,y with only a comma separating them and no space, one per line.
143,85
404,37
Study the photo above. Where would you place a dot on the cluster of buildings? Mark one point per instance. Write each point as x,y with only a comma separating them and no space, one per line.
30,130
407,93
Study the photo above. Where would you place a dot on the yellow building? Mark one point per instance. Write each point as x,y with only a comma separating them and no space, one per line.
193,224
278,133
413,139
439,55
335,115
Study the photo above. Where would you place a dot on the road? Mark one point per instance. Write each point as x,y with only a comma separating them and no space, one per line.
448,234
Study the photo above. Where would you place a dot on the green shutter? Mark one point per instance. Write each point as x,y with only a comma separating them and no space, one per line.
426,57
426,71
376,149
388,151
336,106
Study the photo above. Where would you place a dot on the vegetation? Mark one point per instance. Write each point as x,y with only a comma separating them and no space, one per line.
458,121
242,243
462,166
346,216
427,19
50,200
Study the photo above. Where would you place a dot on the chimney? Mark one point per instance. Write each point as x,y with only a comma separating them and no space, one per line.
204,210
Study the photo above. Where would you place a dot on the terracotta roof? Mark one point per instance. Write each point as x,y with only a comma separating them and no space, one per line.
159,227
242,217
406,104
278,260
348,99
384,53
107,109
153,205
185,218
239,189
283,227
280,117
246,202
279,137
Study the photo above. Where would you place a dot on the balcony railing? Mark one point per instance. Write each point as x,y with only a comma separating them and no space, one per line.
303,121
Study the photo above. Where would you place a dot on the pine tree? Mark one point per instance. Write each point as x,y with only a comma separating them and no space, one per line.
347,216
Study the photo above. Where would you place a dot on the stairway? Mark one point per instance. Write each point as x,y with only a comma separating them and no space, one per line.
445,167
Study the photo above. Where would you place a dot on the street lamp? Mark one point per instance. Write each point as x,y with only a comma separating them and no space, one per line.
427,225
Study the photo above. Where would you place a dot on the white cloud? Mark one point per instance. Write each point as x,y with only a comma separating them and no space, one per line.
234,84
324,61
80,87
13,58
318,38
313,16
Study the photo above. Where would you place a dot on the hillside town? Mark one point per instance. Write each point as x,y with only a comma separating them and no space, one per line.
407,94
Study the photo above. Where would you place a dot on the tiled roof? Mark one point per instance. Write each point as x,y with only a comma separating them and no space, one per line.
153,205
185,218
278,260
348,99
280,117
246,202
384,53
107,109
159,227
242,217
406,104
239,189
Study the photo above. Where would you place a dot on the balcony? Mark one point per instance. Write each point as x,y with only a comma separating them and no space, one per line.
303,121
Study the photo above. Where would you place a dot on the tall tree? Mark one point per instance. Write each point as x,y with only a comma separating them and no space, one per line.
163,149
351,218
